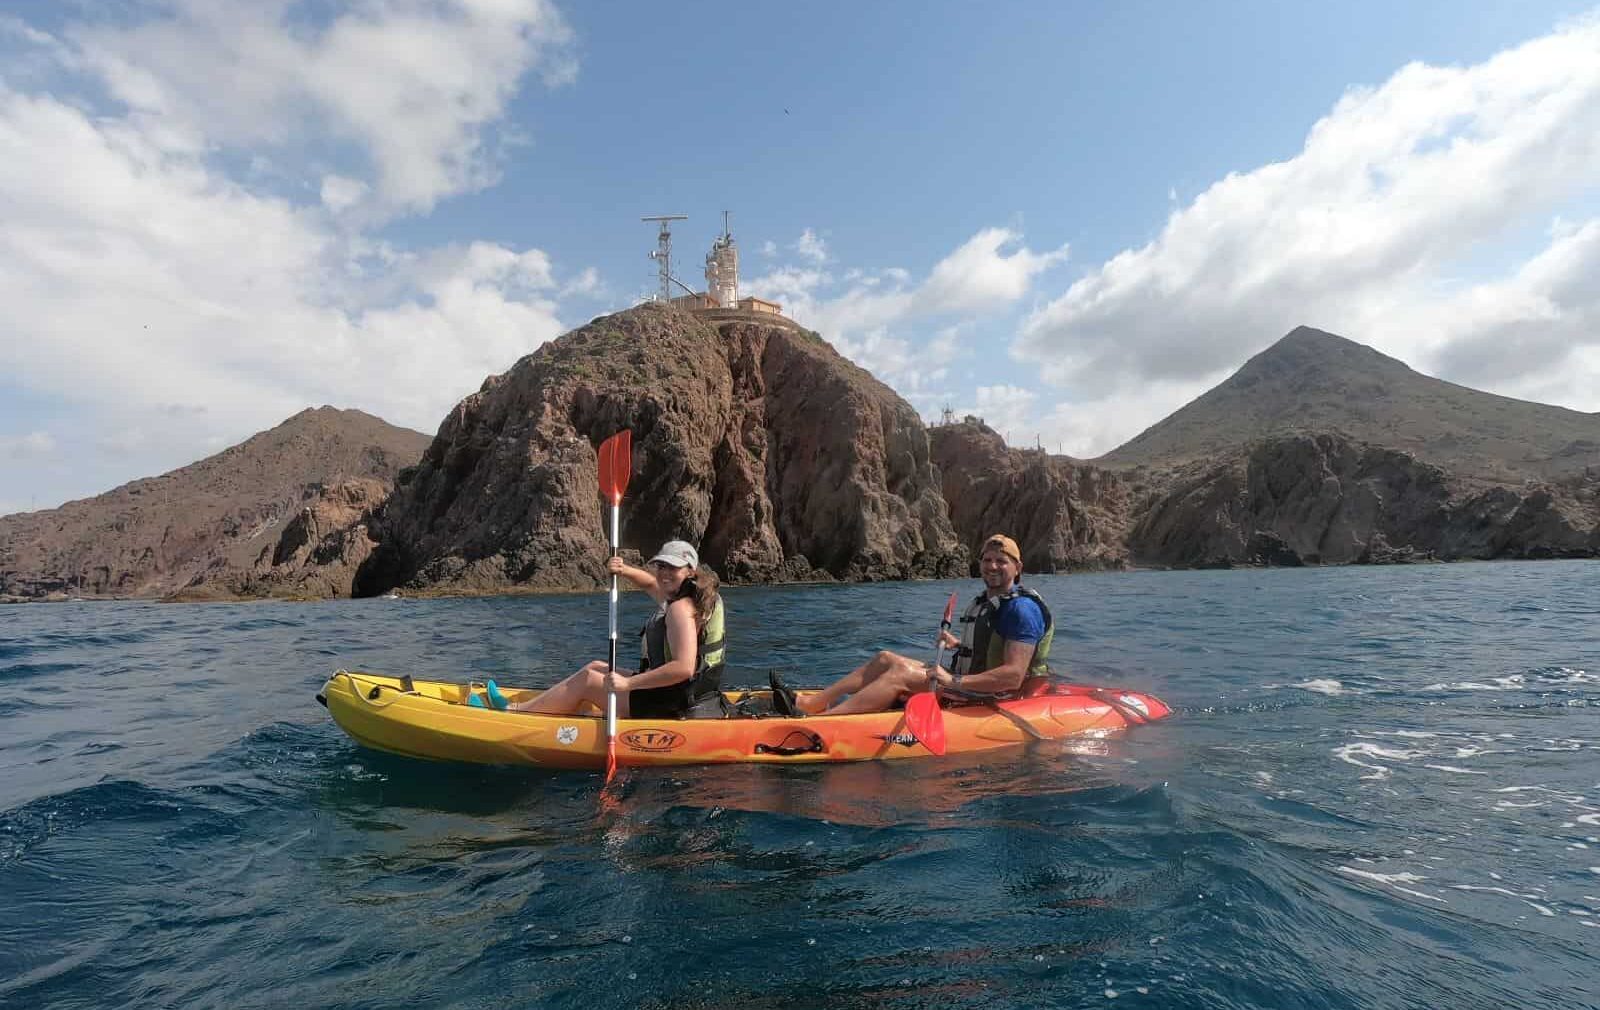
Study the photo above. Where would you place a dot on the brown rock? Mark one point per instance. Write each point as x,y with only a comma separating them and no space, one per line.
1313,381
1329,499
198,529
751,437
1065,515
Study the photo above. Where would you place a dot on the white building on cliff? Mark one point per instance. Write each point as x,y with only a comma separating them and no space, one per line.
722,282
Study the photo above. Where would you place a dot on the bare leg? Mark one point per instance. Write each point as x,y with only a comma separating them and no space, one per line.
587,685
854,682
904,678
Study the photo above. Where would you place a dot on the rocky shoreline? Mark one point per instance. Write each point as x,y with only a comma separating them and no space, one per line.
787,463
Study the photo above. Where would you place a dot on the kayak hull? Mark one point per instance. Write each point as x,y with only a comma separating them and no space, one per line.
429,719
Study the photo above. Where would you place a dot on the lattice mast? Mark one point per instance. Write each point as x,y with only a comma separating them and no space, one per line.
663,253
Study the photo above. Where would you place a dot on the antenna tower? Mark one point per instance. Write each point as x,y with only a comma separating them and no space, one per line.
947,416
663,253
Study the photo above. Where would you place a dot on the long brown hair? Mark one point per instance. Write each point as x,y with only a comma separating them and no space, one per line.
706,584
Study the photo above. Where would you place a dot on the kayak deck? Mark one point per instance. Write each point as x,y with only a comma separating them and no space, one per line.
430,719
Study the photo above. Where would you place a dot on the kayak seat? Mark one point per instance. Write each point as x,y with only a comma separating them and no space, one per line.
712,706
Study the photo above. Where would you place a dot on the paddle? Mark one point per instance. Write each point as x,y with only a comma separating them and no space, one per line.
924,717
616,464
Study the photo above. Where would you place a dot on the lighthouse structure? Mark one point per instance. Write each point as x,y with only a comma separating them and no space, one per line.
722,270
722,277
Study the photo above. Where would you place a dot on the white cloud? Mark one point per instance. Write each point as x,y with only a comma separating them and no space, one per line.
412,85
1526,332
137,274
123,441
586,284
980,275
33,444
1087,428
143,273
792,286
865,320
341,193
811,247
769,248
1007,409
1361,233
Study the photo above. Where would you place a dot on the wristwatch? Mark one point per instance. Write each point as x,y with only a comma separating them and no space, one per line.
956,680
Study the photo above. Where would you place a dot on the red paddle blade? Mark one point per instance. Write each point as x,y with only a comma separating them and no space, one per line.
616,465
949,611
611,759
622,464
925,720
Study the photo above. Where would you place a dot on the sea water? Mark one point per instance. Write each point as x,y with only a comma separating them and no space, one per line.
1381,788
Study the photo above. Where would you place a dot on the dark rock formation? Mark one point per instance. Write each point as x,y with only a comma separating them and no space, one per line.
751,437
1066,515
201,530
1317,451
1329,499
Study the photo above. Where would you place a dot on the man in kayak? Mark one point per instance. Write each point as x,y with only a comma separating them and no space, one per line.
1006,633
681,647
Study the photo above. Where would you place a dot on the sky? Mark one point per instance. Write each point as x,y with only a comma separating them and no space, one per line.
1069,219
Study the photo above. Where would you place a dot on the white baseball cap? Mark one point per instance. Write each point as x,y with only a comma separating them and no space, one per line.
678,554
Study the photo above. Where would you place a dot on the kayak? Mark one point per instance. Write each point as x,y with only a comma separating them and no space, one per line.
430,719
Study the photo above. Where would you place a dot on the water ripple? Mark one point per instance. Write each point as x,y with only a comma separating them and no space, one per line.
1379,784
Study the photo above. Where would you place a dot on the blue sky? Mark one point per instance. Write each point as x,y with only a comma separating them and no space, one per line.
1069,218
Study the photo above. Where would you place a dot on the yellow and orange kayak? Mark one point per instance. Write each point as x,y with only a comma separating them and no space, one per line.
430,719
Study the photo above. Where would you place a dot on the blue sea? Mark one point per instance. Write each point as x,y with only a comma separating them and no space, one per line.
1381,788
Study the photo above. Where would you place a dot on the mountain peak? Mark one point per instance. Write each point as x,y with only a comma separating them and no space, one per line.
1312,380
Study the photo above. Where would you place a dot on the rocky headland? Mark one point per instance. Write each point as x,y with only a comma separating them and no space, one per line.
752,438
1320,450
786,462
227,526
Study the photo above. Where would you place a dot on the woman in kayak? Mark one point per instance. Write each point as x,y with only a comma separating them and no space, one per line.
681,646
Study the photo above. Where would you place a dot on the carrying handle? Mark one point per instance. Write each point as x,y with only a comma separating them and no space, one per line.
785,749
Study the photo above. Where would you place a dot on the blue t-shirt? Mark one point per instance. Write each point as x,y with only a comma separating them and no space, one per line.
1021,620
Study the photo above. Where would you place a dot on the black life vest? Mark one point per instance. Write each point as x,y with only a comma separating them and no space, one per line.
673,700
982,649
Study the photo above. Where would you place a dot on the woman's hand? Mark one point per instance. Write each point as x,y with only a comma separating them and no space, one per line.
948,640
615,564
938,677
617,682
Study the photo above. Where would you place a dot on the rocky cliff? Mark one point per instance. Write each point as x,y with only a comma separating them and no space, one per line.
1065,514
751,437
783,461
1329,499
208,529
1318,450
